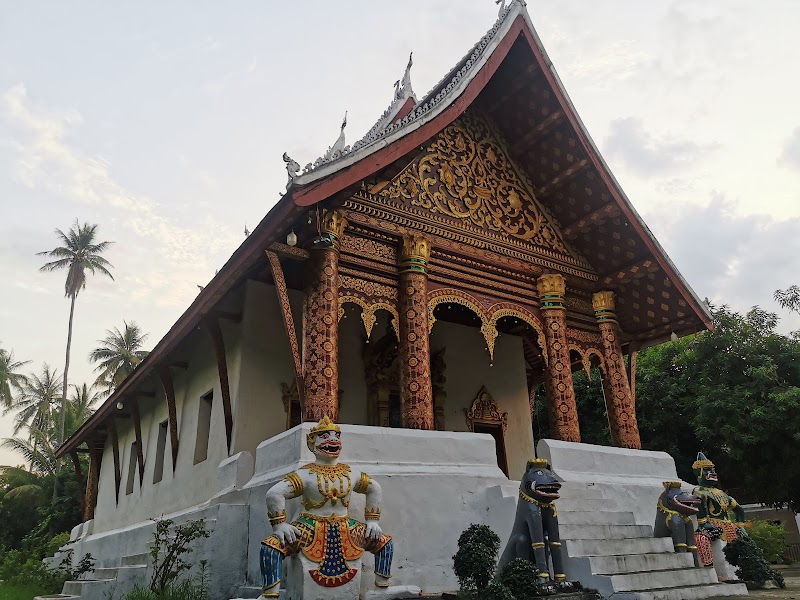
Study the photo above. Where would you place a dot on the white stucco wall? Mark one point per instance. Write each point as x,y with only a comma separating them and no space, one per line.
188,484
258,412
468,368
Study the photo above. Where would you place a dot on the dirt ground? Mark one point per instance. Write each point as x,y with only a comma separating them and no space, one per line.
790,592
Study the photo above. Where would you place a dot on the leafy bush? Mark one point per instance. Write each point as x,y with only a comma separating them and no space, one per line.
475,561
196,589
168,549
747,557
519,576
771,538
494,591
56,542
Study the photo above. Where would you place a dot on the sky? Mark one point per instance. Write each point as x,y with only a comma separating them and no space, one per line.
164,124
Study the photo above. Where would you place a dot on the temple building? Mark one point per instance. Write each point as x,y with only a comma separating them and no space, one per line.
470,247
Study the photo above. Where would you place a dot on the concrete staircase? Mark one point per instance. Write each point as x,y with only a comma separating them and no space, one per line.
606,549
107,582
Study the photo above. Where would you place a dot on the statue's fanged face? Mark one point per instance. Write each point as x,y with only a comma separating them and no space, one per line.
708,476
328,443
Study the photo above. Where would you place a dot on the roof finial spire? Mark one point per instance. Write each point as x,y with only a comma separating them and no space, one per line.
402,87
338,147
502,4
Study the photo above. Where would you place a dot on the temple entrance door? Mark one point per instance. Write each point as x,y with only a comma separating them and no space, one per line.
484,416
496,431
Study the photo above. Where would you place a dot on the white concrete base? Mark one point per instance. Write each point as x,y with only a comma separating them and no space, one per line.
394,592
300,585
447,473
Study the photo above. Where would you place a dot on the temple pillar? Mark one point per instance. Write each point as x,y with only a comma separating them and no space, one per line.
321,322
619,399
562,411
415,353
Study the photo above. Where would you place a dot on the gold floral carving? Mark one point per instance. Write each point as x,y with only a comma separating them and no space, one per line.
523,315
415,247
484,409
586,358
333,222
368,311
371,289
464,174
367,247
445,296
551,284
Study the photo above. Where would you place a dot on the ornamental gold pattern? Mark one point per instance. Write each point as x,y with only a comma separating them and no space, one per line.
333,483
466,175
362,484
321,337
619,400
415,357
562,410
333,223
296,484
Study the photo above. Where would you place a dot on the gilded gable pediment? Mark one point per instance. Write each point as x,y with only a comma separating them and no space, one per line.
465,174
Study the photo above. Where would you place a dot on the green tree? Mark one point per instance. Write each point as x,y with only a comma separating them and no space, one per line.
733,392
79,407
78,253
38,397
10,378
789,298
118,355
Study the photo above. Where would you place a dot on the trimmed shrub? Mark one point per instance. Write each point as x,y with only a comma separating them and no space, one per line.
519,576
748,558
475,561
771,538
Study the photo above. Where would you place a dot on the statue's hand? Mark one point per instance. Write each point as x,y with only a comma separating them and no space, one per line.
286,533
374,531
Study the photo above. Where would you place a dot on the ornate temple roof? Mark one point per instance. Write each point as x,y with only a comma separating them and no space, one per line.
509,78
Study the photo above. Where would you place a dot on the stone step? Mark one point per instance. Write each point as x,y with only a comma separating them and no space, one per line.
248,591
654,580
569,504
589,547
95,588
105,573
604,532
714,590
586,517
632,563
135,560
580,490
57,597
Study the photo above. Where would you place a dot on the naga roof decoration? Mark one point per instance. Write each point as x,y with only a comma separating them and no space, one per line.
447,87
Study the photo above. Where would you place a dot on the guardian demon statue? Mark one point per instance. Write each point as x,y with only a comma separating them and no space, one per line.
674,518
323,533
535,529
716,519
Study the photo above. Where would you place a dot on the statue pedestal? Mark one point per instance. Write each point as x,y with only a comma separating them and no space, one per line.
300,585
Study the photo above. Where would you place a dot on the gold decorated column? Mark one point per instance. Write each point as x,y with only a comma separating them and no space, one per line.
321,322
415,353
619,399
562,411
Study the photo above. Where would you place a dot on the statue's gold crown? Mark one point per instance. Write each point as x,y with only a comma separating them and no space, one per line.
325,424
540,463
671,484
702,464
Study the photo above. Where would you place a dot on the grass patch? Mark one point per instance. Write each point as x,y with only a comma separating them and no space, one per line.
18,592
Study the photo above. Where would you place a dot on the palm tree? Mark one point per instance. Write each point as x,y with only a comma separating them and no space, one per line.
37,399
37,450
10,379
118,354
79,407
78,253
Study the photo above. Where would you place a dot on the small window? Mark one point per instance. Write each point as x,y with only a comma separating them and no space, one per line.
158,472
132,461
203,428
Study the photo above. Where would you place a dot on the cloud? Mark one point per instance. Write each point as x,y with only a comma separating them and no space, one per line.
790,154
170,257
646,154
733,259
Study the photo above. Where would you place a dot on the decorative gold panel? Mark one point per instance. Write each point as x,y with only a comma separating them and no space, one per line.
465,174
